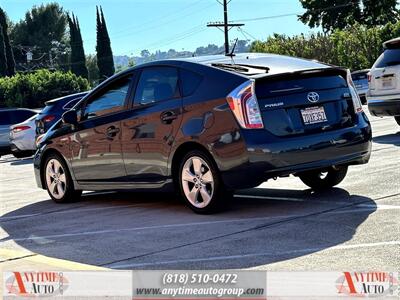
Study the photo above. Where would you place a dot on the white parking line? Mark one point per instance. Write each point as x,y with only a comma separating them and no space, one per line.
270,198
344,211
229,257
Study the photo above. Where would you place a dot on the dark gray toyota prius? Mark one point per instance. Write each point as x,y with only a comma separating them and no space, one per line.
207,126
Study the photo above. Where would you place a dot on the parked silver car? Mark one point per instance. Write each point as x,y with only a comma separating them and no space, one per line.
9,117
23,138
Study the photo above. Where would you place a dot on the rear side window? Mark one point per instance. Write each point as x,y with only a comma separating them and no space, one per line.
390,57
157,84
5,118
190,82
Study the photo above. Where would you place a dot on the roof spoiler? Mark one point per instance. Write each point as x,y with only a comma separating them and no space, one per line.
392,44
308,73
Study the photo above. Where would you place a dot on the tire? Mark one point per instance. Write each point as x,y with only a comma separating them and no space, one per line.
397,118
58,180
200,183
319,180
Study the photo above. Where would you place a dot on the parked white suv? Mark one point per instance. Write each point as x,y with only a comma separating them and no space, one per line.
384,87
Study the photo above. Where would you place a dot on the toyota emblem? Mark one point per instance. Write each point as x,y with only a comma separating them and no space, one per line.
313,97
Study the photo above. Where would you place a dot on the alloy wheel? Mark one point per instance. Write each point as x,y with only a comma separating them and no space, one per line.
56,179
197,182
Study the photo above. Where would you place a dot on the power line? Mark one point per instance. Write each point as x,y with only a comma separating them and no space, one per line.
293,14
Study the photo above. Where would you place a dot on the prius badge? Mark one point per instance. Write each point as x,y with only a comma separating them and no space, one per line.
313,97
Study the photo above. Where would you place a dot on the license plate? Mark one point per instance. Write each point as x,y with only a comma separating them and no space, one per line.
387,83
313,115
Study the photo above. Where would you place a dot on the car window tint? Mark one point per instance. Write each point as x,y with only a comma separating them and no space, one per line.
190,82
21,115
109,101
157,84
390,57
5,118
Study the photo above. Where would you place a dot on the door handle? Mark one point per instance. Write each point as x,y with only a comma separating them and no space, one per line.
112,131
168,116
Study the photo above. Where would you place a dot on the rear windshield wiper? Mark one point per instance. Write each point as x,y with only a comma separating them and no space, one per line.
242,68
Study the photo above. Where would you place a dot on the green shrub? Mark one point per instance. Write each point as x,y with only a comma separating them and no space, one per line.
355,48
33,89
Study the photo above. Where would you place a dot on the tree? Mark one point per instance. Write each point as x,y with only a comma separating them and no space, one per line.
105,60
3,58
7,45
43,27
341,14
78,59
380,12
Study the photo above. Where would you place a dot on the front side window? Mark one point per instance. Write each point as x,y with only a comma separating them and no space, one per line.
110,100
157,84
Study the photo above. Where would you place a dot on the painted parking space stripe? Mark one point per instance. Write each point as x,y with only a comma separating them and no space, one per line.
110,231
251,255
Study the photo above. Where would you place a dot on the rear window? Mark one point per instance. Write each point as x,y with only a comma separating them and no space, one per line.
71,104
360,76
5,118
48,108
390,57
19,116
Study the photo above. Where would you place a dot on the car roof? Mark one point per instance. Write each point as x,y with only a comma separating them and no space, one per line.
18,108
276,63
392,44
68,97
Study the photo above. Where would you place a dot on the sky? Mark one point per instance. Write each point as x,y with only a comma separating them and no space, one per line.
135,25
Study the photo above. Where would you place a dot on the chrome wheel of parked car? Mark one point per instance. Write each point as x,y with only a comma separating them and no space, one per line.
197,182
58,180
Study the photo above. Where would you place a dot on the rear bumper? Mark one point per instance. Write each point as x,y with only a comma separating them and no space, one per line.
381,108
273,157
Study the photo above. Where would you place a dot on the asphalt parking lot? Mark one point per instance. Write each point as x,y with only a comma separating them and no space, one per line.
281,225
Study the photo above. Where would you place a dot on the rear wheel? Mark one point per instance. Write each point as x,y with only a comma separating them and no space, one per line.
397,118
322,180
58,180
200,183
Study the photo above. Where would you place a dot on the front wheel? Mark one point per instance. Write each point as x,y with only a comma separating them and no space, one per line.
58,180
397,118
323,180
200,183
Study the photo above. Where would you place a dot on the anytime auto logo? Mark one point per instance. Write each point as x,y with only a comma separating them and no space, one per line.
367,284
35,284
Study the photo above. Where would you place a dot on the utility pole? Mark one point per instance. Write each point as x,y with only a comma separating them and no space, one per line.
227,26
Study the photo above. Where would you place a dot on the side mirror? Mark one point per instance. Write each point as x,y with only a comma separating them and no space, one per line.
70,117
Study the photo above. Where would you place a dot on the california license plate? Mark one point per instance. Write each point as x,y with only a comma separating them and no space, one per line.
313,115
387,83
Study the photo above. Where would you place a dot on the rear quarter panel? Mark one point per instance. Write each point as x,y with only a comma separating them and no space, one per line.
208,121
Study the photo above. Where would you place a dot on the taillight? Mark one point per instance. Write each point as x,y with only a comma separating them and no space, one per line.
48,118
354,95
244,105
369,77
20,128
